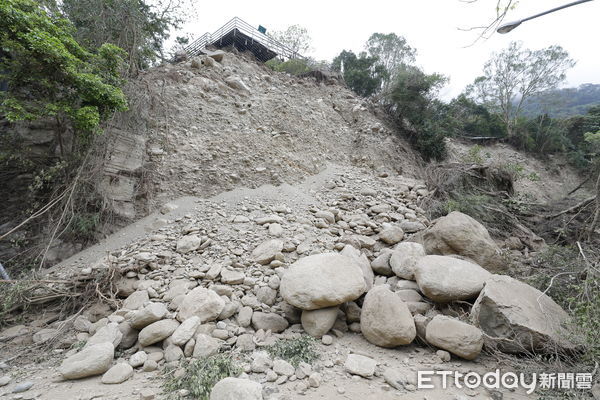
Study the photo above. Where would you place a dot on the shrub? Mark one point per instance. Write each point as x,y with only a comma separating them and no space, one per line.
293,67
570,280
199,376
295,351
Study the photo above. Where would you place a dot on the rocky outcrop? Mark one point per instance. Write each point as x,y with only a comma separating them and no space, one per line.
518,318
457,233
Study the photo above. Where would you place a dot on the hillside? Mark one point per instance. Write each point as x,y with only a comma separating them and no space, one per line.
562,103
202,127
277,229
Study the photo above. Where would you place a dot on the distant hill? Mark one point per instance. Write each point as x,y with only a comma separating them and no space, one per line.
563,102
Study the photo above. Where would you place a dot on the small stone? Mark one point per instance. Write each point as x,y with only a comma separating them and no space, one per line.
443,355
360,365
23,387
327,340
138,359
282,367
5,380
147,394
118,374
314,380
149,366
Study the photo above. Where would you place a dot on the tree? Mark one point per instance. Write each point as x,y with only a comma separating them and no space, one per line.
391,50
50,75
137,26
295,37
514,75
413,98
362,73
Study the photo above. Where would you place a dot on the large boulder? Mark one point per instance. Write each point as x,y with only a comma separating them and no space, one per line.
157,331
455,336
362,261
92,360
236,389
457,233
385,319
519,318
318,322
444,279
201,302
404,259
322,280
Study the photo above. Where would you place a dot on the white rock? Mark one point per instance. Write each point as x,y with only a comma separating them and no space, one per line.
236,389
206,346
404,259
521,317
185,331
188,243
151,313
457,337
282,367
203,303
157,331
360,365
92,360
118,374
138,359
267,251
444,279
318,322
322,280
385,319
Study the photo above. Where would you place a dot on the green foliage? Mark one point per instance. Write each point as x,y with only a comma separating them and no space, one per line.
362,74
293,66
294,351
11,296
49,74
470,204
464,117
137,26
514,75
474,155
295,37
412,98
200,376
391,51
568,279
563,103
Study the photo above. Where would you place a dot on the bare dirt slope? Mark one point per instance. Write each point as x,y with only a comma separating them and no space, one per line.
543,180
202,127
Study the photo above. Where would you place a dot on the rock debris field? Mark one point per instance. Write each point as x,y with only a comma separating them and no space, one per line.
346,257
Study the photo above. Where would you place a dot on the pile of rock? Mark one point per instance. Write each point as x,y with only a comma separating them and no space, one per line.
364,260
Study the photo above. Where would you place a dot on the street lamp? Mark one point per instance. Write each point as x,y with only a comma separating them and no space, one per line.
505,28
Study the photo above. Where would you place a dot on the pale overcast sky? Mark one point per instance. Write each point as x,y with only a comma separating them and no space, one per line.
430,26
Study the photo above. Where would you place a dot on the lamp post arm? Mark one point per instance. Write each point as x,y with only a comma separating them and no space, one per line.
554,9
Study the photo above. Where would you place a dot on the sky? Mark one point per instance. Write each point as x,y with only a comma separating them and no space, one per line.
430,26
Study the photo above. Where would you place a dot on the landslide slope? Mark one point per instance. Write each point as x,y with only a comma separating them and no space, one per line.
203,127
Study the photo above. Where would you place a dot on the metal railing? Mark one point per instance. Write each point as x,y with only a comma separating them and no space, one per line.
199,45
